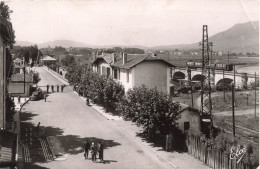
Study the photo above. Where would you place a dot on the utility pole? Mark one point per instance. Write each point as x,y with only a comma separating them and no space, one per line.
255,94
233,108
228,57
191,92
224,85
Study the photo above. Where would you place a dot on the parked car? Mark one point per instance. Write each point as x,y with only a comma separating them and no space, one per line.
36,95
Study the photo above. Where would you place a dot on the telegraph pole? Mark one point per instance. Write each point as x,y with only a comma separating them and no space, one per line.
255,94
233,109
224,85
228,57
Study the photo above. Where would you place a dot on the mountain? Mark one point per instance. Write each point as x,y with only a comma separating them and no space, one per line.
23,43
242,37
63,43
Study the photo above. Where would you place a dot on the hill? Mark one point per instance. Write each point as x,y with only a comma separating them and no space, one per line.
63,43
24,43
242,37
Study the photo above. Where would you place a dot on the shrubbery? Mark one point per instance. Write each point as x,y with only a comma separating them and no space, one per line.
152,109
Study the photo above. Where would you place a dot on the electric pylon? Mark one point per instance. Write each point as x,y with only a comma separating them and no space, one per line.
206,105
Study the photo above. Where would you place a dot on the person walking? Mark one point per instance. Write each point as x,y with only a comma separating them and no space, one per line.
18,99
86,149
62,86
52,88
100,151
45,97
48,88
58,88
93,150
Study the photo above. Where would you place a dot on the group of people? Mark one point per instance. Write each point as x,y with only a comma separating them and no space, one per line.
58,87
94,149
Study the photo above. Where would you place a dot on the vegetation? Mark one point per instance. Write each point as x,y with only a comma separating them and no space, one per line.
31,52
152,109
5,14
67,60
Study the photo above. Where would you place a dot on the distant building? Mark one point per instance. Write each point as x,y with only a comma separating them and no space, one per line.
18,66
21,85
133,70
48,61
189,119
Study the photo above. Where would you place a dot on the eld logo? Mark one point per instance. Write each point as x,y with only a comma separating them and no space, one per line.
237,152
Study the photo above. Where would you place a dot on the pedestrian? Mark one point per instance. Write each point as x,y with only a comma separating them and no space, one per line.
87,101
52,88
100,151
86,149
62,86
18,99
45,97
48,88
58,88
93,150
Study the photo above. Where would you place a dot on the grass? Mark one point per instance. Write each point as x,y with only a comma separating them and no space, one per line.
220,105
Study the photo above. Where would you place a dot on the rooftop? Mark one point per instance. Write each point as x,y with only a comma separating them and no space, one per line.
134,59
20,78
48,58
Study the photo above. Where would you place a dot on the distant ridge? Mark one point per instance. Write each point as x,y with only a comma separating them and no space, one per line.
242,37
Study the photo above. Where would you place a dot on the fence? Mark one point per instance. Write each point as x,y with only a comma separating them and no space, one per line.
214,158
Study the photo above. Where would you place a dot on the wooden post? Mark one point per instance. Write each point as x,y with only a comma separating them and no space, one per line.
233,108
224,84
191,96
255,94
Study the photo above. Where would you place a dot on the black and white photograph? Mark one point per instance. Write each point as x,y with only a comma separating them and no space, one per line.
129,84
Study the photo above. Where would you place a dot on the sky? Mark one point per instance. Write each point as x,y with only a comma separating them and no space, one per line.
127,22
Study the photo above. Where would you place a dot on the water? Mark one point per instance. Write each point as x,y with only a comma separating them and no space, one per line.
249,69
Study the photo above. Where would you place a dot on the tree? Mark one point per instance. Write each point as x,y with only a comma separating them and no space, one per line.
36,77
152,109
68,60
5,14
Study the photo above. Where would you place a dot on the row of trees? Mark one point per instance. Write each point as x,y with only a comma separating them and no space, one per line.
30,52
148,107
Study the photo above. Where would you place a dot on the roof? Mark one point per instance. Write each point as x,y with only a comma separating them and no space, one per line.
20,78
18,60
134,59
107,57
184,107
48,58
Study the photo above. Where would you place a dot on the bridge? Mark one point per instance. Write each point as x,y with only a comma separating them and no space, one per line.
242,80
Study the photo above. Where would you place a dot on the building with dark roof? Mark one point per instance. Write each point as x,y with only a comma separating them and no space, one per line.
21,85
135,70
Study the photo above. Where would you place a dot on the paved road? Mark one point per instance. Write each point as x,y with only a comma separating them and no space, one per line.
66,115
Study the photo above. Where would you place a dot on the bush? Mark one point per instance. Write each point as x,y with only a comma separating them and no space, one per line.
152,109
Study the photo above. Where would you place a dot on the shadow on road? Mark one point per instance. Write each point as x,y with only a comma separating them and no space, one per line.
72,144
34,166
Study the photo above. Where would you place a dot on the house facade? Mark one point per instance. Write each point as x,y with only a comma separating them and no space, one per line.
102,64
134,70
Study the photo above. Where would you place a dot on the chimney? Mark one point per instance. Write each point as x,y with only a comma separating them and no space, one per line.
124,58
114,58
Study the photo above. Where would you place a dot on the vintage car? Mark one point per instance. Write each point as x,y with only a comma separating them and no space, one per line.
36,95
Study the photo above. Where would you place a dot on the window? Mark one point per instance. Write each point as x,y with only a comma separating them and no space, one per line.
115,73
127,76
108,71
118,74
186,125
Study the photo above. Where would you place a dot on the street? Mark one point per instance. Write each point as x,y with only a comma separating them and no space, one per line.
66,115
